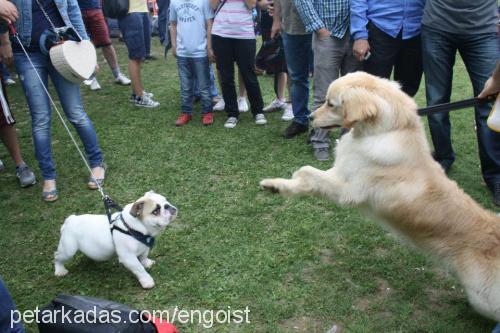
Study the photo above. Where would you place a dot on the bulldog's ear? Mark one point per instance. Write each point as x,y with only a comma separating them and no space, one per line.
137,208
358,105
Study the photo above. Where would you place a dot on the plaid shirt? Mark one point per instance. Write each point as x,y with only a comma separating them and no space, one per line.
330,14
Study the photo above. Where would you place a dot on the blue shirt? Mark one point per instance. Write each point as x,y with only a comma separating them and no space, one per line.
329,14
390,16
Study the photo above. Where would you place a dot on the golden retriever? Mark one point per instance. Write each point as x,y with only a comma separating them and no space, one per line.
384,166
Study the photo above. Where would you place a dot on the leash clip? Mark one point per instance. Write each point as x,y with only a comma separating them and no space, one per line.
109,204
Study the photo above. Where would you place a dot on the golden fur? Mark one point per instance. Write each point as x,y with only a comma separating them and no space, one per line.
384,167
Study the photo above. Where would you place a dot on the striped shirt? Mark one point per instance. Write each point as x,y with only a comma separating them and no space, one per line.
332,15
234,20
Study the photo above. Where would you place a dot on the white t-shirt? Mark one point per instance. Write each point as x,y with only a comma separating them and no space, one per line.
191,17
234,20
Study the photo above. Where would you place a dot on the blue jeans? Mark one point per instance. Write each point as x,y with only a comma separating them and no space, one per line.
298,57
41,110
6,306
213,88
191,69
163,7
480,52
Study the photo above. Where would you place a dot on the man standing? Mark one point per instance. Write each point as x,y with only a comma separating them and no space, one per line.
298,55
389,32
471,28
333,57
96,26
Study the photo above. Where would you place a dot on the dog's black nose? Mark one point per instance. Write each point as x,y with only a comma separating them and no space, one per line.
171,209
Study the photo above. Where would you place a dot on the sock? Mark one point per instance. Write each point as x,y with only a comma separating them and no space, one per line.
116,72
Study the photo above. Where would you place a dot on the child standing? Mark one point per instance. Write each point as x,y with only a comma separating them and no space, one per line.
191,26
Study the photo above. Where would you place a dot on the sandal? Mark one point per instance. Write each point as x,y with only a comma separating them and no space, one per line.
50,196
95,183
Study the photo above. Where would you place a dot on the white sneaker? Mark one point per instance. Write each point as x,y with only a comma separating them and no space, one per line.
94,85
288,113
275,105
220,106
260,119
9,82
146,101
88,82
231,122
132,96
242,104
123,80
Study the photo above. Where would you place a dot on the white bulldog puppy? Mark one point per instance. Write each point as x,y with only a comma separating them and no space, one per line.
130,236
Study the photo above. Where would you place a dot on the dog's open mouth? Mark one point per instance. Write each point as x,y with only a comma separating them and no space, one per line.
330,127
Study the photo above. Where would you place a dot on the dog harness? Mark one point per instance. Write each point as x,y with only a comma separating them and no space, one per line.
149,241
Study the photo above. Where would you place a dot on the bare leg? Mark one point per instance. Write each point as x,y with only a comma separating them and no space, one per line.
281,86
9,138
134,69
110,56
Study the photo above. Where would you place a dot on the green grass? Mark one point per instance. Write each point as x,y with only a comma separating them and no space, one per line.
299,264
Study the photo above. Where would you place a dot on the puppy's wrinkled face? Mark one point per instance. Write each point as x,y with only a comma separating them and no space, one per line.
154,210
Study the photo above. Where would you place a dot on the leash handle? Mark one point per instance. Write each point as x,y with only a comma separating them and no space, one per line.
445,107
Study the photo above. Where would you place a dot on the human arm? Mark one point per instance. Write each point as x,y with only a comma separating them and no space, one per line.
5,49
214,4
492,86
75,16
173,37
276,28
264,4
250,3
359,31
311,19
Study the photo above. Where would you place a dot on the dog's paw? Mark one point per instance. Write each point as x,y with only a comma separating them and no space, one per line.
147,283
147,263
61,271
270,185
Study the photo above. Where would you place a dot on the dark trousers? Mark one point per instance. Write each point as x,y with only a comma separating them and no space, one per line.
387,52
242,51
480,52
6,308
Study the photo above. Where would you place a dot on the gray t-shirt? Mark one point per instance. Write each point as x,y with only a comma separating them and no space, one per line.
461,16
191,17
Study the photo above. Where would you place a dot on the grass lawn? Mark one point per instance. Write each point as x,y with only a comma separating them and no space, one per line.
299,264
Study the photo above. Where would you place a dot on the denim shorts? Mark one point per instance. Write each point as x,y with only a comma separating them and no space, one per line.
136,30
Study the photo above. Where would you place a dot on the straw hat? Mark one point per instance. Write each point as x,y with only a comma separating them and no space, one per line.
75,61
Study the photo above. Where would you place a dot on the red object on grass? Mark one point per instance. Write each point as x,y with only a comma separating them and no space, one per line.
162,326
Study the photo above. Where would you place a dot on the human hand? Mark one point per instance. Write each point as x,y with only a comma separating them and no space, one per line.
8,11
211,55
264,4
270,10
6,56
323,33
174,50
491,87
360,49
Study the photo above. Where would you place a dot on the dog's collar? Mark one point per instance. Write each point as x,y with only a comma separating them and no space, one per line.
149,241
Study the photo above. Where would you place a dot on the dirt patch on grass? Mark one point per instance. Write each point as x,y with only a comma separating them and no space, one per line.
383,292
304,324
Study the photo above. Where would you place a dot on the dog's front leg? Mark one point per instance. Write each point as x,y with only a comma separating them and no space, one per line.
145,261
306,180
133,264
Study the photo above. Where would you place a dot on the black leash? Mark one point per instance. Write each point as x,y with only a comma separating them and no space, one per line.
466,103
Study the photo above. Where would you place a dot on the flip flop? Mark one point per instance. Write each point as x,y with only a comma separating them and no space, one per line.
50,196
95,183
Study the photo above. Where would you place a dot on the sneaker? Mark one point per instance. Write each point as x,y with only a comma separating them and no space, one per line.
220,106
132,97
9,82
122,80
231,122
294,129
322,154
146,101
242,104
260,119
288,113
2,166
215,100
88,82
183,119
496,194
25,175
207,119
94,85
275,105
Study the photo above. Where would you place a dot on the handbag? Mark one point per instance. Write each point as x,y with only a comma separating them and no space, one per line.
82,314
115,8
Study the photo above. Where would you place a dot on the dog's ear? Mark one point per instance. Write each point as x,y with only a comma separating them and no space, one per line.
137,208
358,105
